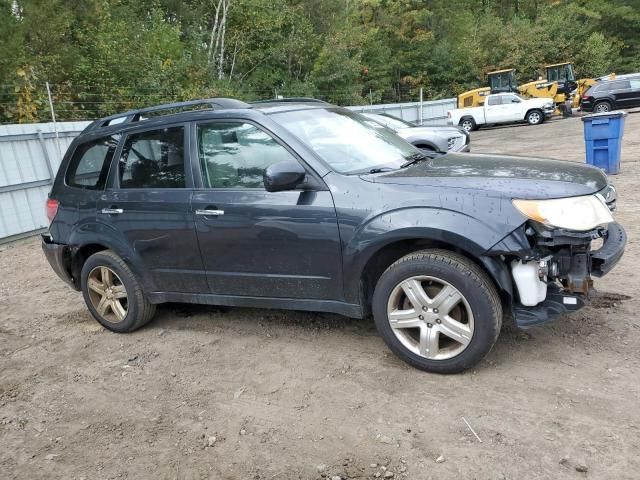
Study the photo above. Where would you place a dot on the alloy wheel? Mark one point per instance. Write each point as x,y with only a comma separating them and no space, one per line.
467,125
602,107
534,118
430,317
107,294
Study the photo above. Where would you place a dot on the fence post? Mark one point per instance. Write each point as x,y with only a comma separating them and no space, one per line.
46,155
421,105
55,125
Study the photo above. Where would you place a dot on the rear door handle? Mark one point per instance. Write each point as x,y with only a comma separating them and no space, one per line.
215,213
112,211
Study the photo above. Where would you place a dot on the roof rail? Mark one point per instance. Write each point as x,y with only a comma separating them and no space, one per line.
291,100
136,115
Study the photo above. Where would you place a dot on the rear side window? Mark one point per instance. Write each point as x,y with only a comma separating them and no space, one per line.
153,159
635,83
495,100
619,85
89,166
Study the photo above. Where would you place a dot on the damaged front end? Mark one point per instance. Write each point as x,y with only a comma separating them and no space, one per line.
552,268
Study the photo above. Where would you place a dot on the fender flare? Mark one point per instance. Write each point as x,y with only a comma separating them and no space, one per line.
445,227
102,234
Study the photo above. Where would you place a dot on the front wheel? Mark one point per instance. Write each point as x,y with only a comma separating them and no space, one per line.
113,294
437,311
535,117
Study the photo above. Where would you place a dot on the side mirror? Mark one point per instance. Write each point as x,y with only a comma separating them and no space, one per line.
281,176
515,100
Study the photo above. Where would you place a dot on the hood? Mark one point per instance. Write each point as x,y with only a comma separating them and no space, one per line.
516,177
540,101
441,130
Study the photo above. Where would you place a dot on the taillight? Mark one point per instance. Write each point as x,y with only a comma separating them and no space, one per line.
449,114
52,209
585,97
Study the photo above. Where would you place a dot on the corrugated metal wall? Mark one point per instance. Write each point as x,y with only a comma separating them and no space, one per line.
30,156
433,112
29,159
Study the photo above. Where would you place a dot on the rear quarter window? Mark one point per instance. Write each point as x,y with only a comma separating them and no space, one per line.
89,165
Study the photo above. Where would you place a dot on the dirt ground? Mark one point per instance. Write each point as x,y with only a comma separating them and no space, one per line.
256,394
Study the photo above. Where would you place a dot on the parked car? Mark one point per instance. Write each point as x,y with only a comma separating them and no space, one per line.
503,108
429,139
608,95
307,206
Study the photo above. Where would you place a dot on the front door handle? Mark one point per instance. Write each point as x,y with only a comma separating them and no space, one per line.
112,211
215,213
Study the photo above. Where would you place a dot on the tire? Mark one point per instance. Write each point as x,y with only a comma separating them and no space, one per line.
477,314
120,288
535,117
602,107
468,124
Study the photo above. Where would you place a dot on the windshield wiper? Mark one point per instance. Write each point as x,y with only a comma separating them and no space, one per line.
415,158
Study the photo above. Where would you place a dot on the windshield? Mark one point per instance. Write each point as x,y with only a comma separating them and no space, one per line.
348,142
391,122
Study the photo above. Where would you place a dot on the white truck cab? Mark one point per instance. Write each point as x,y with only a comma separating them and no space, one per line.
503,108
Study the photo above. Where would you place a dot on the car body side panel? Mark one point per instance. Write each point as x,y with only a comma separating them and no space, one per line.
368,222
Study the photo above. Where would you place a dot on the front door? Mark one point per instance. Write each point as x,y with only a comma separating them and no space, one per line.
513,110
148,207
257,243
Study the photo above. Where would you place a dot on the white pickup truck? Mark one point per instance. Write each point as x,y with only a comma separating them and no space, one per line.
503,108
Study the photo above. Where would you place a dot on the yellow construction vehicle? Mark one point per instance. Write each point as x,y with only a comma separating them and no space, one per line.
559,83
499,81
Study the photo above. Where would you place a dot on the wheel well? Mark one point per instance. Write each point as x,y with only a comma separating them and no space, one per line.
80,256
388,254
428,146
466,117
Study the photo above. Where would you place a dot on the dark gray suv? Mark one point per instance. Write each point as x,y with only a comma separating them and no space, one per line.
307,206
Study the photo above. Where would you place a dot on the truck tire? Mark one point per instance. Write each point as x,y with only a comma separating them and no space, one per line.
468,124
437,310
113,294
535,117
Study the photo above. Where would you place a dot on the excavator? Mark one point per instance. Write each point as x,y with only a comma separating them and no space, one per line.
559,83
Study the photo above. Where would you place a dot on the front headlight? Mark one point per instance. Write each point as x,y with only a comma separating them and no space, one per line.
573,213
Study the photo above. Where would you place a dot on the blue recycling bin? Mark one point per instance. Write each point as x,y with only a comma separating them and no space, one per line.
603,140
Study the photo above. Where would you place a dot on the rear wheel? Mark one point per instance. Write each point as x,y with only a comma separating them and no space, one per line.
535,117
468,124
437,311
112,293
602,107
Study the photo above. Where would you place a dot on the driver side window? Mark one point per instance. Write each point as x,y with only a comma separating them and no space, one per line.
235,154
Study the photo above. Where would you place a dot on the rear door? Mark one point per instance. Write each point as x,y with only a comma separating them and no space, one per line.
257,243
493,110
148,208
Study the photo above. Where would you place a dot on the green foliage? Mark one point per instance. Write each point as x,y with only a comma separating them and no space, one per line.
104,56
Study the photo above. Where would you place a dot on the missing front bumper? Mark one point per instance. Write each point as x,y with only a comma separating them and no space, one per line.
578,269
